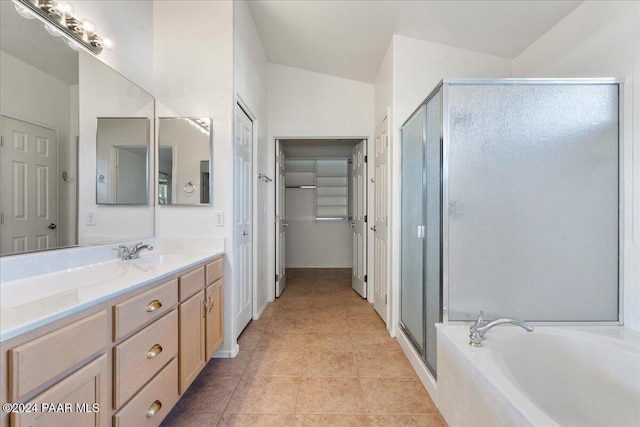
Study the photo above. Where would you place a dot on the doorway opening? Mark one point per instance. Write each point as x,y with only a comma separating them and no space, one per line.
321,209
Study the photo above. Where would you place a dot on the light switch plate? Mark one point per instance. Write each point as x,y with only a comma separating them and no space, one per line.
219,219
91,218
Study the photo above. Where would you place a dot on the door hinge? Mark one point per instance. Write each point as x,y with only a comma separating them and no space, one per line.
365,218
385,300
1,141
365,158
365,278
277,277
277,159
2,218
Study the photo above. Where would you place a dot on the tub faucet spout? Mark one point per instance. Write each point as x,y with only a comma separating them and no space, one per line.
480,328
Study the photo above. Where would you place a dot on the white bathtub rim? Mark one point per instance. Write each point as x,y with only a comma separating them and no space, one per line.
489,362
482,359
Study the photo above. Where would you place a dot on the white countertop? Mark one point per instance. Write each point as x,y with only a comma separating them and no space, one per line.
28,303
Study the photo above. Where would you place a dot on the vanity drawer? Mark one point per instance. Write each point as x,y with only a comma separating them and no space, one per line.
138,359
215,270
40,360
135,312
153,403
191,283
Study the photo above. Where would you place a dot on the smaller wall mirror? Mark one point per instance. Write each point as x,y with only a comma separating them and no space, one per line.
184,161
122,161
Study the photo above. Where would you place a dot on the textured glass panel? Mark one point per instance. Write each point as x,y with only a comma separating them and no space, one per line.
533,202
432,222
412,295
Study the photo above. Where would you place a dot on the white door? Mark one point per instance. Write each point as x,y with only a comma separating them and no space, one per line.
281,222
359,212
29,190
243,224
381,219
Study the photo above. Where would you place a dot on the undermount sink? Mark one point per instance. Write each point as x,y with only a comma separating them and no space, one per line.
160,258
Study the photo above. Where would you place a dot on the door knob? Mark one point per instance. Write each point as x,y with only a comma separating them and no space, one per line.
353,225
285,224
373,228
245,233
52,226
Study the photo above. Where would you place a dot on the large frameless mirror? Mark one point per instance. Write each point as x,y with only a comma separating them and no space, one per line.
51,100
184,161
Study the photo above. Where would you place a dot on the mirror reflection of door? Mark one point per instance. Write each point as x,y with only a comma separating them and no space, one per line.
122,160
29,194
165,175
204,182
130,187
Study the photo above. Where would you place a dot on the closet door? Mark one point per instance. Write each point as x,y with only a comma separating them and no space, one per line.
412,296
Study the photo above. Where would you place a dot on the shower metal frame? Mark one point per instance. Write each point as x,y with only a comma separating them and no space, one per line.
444,85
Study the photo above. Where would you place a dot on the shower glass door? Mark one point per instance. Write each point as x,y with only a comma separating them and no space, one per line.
412,296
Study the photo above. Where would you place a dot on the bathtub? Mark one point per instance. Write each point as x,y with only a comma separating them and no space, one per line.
553,376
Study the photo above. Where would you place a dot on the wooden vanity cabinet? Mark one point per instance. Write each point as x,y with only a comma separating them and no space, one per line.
132,356
214,318
78,400
214,294
201,320
192,314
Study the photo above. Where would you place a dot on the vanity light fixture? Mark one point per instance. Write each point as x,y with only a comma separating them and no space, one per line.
201,124
58,20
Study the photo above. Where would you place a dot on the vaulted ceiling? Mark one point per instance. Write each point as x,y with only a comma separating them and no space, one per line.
349,38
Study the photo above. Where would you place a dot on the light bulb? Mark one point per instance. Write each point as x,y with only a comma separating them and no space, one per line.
88,26
107,43
73,45
52,30
64,7
24,11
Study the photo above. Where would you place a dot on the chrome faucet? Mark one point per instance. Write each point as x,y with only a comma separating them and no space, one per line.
481,327
133,252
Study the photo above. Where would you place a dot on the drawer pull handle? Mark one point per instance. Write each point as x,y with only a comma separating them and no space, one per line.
210,304
204,305
154,408
153,306
154,351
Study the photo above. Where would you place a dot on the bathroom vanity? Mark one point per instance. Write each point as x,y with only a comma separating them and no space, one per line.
123,352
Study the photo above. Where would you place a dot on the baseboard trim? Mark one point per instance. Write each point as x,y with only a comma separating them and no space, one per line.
227,354
418,365
259,313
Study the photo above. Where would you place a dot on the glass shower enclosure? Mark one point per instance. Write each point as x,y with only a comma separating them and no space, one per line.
510,205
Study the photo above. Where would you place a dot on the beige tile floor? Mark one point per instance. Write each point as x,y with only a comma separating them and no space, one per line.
318,356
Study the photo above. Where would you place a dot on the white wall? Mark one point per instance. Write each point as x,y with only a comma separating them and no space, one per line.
307,104
193,77
418,66
34,96
602,39
384,87
250,80
130,26
304,103
105,93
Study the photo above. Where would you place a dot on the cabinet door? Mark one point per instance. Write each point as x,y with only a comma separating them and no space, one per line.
192,339
81,399
214,327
